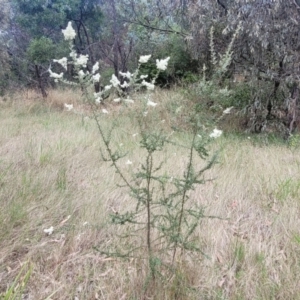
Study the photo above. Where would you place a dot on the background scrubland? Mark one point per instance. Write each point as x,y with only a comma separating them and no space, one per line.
246,52
52,174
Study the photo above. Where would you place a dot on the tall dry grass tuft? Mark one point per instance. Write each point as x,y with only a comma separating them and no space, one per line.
51,174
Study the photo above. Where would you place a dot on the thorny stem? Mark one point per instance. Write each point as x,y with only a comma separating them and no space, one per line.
183,199
149,167
108,149
148,203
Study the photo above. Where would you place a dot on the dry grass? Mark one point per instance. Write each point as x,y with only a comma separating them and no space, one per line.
51,169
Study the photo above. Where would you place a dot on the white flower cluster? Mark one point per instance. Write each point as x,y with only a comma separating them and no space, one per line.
216,133
144,59
49,230
69,106
69,33
225,92
228,110
124,85
127,75
148,85
96,77
151,103
98,97
80,62
107,87
81,74
162,64
95,67
55,75
114,81
63,62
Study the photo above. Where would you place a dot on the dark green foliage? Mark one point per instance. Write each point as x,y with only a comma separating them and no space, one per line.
241,96
150,69
86,13
47,19
41,51
39,19
181,68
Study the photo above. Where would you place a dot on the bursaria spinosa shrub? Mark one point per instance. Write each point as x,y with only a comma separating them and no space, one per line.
164,217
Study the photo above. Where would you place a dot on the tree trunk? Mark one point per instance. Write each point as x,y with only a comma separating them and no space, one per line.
116,39
293,111
40,82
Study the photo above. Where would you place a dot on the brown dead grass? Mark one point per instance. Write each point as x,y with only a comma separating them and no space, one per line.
52,174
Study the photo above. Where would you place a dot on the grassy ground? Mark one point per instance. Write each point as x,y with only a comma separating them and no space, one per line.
52,174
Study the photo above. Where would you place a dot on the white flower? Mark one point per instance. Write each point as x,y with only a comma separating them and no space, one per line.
82,60
85,223
128,162
63,62
144,59
81,74
95,67
135,134
55,75
150,86
49,230
126,75
114,80
162,64
216,133
117,100
151,103
225,92
143,76
129,101
105,111
96,77
107,87
227,110
188,38
69,33
178,110
124,85
145,113
98,100
73,55
69,106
